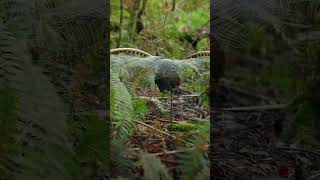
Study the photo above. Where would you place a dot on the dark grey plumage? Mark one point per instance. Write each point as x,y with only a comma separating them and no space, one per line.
166,76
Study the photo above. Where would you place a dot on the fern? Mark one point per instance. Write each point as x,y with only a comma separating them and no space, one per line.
92,144
140,107
153,168
195,164
121,165
42,127
121,108
42,140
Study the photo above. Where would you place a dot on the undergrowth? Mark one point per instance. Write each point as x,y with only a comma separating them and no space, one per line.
133,76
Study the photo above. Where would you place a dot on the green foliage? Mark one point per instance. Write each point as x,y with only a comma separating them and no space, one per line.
40,146
199,121
122,112
162,28
187,73
195,74
140,107
153,168
192,20
204,99
121,166
182,127
92,145
43,129
122,71
140,78
202,45
195,164
198,86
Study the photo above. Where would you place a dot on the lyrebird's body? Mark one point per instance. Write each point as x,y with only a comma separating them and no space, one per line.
166,75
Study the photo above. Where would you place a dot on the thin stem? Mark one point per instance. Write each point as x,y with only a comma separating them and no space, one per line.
120,23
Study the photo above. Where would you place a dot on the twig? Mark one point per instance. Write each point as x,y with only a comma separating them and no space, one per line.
120,23
135,149
171,152
161,132
265,172
164,23
255,108
173,5
162,120
297,149
247,158
153,128
164,153
190,95
235,87
150,98
159,97
315,176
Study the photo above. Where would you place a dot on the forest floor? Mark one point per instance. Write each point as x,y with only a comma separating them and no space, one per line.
153,134
246,140
245,133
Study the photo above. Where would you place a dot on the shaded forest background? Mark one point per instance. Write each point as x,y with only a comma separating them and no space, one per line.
172,29
269,94
53,86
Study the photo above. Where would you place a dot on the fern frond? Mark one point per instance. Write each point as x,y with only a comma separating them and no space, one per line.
121,108
121,165
195,163
153,168
41,127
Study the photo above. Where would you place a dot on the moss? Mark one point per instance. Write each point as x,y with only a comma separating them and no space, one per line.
182,127
199,121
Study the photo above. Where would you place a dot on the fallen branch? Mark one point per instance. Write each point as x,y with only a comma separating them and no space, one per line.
236,87
190,95
168,121
240,156
153,98
165,97
171,152
255,108
265,172
160,131
155,129
174,152
301,150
